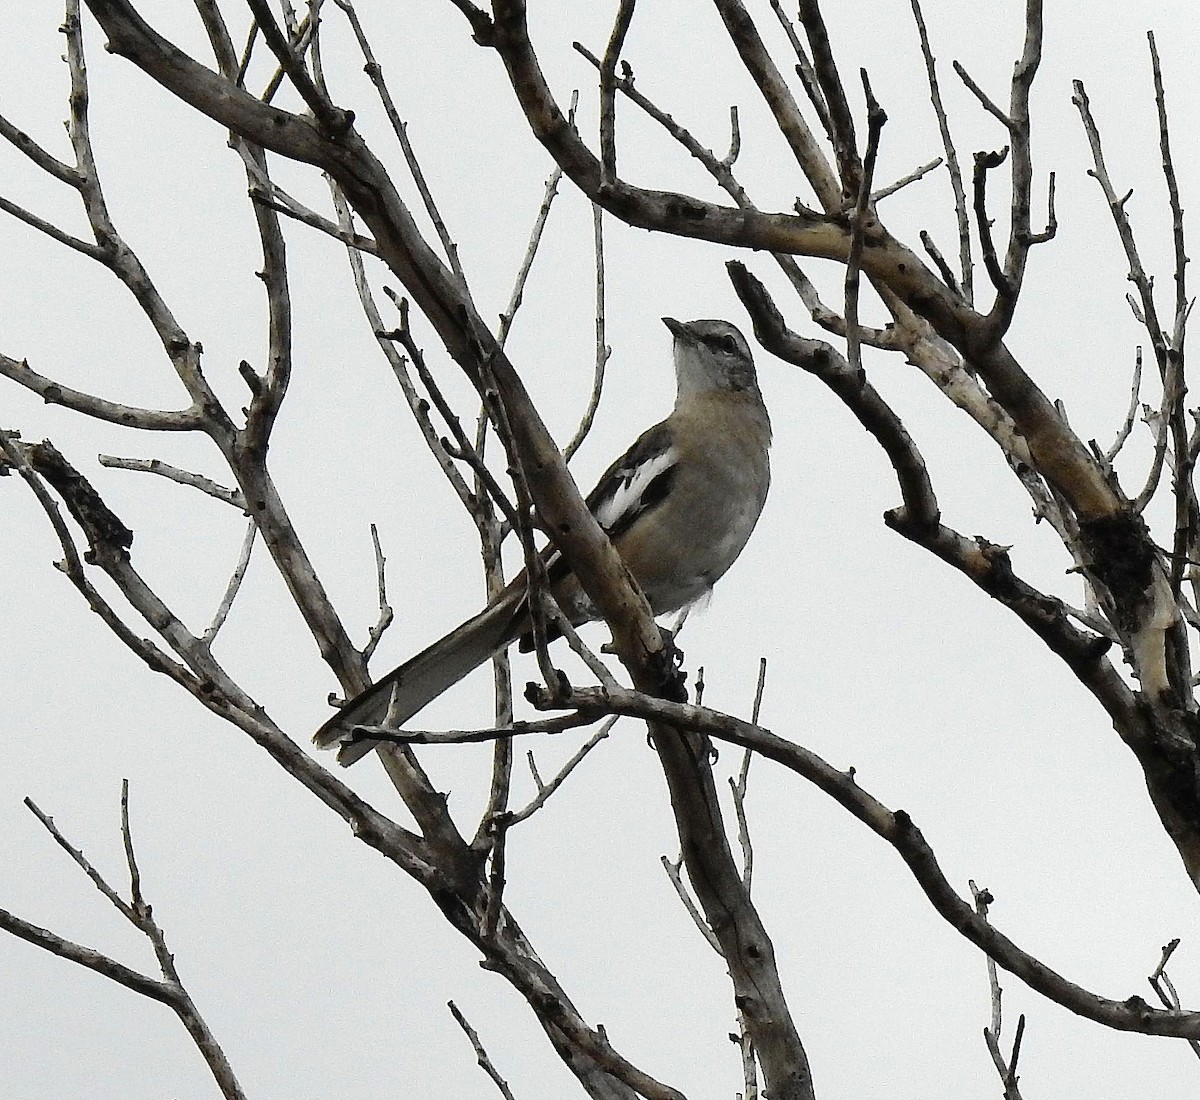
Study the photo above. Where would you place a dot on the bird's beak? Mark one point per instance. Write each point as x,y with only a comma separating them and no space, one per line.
678,328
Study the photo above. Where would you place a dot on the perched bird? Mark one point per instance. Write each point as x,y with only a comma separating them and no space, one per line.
679,505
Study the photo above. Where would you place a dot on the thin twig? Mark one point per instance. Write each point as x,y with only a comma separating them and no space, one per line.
400,129
135,876
804,70
876,118
1156,422
545,790
1137,273
739,786
982,96
481,1055
948,276
984,163
829,78
441,451
81,861
49,164
170,990
1135,392
269,194
386,614
608,91
1182,303
603,351
232,588
965,281
1161,983
673,868
535,239
92,251
904,181
408,736
232,497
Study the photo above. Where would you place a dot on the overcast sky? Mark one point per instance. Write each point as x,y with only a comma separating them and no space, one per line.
322,970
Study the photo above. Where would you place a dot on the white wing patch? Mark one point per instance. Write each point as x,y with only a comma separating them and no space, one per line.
625,494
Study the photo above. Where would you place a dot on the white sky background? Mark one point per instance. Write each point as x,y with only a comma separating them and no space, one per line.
322,970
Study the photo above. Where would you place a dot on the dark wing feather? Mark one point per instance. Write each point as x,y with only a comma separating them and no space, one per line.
632,486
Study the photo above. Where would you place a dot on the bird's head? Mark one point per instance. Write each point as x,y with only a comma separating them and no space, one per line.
711,354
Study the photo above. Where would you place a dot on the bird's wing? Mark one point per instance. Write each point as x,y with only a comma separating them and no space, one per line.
633,485
636,483
630,488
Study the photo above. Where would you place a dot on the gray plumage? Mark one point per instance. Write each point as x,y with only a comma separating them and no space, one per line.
679,506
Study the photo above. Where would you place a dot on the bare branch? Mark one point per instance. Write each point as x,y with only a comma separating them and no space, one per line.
721,171
966,277
898,829
123,907
49,164
535,239
233,587
331,119
1007,1068
1135,391
1168,165
481,1055
386,615
118,257
461,448
804,70
267,193
1157,422
778,98
54,393
27,462
982,96
1137,273
934,253
603,351
171,990
608,91
904,181
822,360
173,473
739,786
876,118
545,790
87,957
1020,238
984,163
92,251
387,344
400,129
841,119
1165,988
673,868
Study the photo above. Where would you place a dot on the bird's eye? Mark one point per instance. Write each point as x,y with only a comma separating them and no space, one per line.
727,344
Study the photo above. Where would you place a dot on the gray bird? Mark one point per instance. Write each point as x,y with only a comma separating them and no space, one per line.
679,506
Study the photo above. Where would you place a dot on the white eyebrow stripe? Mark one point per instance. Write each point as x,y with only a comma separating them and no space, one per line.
629,486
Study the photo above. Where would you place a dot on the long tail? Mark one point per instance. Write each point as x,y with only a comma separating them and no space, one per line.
421,679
